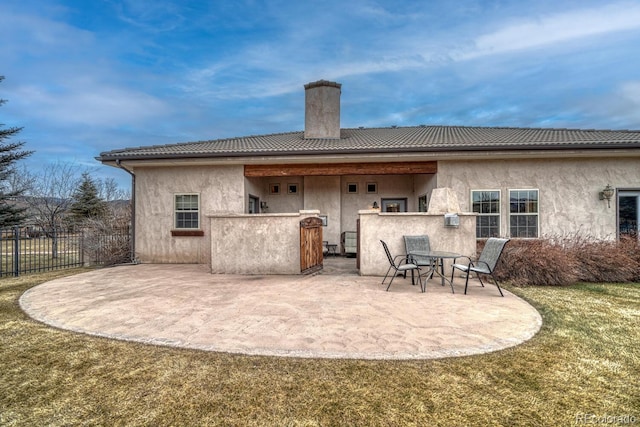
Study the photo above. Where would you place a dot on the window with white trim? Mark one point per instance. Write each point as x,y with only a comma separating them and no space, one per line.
486,203
523,213
187,211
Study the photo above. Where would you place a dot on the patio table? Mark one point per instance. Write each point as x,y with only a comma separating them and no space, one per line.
437,257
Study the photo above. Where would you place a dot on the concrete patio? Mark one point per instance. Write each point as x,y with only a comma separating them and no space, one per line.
335,314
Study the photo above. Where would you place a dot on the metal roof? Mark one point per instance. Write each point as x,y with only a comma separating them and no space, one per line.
391,139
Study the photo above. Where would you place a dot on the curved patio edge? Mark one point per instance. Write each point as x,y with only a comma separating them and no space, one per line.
321,316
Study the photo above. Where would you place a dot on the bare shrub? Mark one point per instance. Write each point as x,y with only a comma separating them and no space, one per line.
603,261
629,246
107,239
107,247
565,260
536,262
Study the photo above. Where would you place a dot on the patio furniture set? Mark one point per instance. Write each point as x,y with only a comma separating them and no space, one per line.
423,263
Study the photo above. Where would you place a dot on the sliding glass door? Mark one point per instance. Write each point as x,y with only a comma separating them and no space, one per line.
628,212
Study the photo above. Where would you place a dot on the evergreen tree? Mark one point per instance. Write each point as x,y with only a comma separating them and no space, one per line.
86,202
10,213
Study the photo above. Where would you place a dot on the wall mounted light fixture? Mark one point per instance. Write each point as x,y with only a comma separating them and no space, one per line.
607,194
375,205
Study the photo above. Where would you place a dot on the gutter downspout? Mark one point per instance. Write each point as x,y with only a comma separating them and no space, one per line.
133,210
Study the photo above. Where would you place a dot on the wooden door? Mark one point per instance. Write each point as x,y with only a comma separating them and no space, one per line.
311,255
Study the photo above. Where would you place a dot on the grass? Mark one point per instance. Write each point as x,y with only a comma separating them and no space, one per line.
585,360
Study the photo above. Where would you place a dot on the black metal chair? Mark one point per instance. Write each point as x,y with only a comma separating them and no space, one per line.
485,264
399,267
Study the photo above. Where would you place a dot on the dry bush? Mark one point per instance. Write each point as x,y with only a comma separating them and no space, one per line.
107,247
566,260
107,240
630,248
536,262
603,261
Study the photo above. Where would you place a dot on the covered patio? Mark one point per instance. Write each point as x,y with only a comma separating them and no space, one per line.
334,314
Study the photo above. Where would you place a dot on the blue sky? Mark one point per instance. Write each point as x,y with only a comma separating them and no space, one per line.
86,76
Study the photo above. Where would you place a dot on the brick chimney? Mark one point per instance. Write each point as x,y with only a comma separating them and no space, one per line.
322,110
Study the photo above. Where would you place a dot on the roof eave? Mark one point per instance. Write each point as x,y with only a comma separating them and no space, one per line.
111,157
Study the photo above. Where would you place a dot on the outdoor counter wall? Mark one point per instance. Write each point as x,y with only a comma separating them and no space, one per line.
256,243
390,227
270,243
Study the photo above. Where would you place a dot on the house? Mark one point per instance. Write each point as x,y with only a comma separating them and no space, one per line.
237,204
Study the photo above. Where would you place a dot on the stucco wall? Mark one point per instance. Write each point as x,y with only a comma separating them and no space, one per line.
255,188
423,185
283,201
388,187
323,193
256,244
220,189
328,194
390,227
568,189
568,200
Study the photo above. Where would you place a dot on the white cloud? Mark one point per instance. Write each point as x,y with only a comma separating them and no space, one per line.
555,29
238,68
623,105
150,15
90,104
38,36
377,41
631,91
65,76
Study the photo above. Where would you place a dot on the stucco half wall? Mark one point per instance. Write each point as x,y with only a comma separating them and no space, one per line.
270,243
391,227
256,243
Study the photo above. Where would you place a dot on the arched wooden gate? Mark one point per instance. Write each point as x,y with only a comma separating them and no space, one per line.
311,255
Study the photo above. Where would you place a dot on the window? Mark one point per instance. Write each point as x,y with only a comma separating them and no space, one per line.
523,213
487,204
372,187
394,205
292,188
352,188
187,211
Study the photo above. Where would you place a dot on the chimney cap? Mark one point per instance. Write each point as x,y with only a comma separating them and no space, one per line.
322,83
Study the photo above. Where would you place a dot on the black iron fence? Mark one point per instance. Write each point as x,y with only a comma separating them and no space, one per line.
25,251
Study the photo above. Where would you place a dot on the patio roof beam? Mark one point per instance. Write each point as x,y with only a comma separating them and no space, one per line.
332,169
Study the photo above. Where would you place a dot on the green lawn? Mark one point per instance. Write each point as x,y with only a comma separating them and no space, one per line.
585,360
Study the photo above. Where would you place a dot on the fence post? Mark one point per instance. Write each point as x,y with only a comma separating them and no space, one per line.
16,251
54,243
82,237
